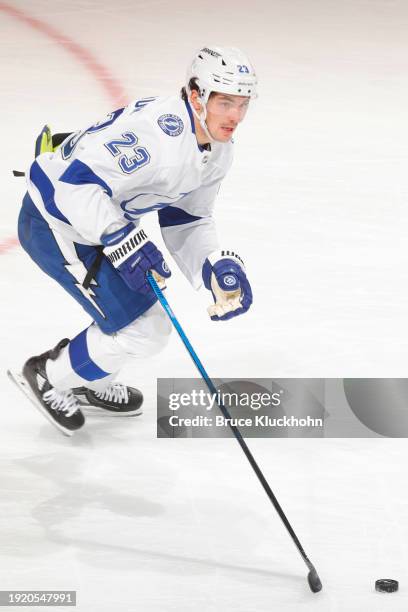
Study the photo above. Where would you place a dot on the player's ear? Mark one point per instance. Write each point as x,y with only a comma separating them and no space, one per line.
194,98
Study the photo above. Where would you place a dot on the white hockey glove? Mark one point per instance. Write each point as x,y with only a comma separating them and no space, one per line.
224,275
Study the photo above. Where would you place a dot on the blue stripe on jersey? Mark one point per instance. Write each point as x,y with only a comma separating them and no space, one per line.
190,114
131,212
171,215
79,173
81,361
47,191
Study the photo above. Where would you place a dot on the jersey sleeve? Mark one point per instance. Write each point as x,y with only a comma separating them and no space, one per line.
189,231
87,207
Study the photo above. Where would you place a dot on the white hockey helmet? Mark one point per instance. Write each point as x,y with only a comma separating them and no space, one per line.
222,70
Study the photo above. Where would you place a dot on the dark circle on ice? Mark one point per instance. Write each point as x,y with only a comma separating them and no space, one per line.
386,585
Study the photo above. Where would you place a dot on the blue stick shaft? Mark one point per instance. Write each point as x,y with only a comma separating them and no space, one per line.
160,296
163,301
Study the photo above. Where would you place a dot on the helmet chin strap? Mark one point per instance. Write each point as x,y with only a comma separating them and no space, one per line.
201,117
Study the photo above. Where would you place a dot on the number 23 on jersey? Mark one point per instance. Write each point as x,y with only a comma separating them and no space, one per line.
128,163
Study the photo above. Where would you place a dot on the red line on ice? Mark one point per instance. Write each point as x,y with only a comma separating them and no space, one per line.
8,243
112,87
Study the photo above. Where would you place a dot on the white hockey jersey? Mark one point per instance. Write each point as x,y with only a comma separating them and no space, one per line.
139,159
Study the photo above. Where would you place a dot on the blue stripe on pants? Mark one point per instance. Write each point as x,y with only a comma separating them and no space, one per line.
81,361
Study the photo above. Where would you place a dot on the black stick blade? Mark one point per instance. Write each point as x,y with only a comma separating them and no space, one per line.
314,581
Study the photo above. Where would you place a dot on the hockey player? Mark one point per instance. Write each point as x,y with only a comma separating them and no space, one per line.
82,223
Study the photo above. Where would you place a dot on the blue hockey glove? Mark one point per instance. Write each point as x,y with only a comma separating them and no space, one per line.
224,275
130,251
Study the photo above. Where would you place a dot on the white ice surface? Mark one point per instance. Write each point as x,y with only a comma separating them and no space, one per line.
316,204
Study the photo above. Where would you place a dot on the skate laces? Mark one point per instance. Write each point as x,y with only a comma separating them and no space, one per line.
61,401
116,392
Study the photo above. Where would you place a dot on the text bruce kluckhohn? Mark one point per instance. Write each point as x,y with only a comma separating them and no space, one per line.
255,401
257,421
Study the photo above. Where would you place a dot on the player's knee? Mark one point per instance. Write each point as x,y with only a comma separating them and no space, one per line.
157,329
147,335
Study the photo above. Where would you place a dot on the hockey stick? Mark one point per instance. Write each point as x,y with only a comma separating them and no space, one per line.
312,577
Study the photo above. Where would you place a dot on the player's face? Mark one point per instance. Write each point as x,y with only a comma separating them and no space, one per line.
224,112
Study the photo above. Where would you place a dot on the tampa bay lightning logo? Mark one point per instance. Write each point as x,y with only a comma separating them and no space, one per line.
171,124
229,280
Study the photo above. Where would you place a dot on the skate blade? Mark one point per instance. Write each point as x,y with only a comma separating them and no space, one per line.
19,380
96,411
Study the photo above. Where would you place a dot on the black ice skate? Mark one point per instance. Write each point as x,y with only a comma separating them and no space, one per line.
115,400
61,408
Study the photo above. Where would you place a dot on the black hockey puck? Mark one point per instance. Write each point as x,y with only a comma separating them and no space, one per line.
386,585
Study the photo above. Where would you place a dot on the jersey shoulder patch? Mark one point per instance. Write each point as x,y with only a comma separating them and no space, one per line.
172,125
